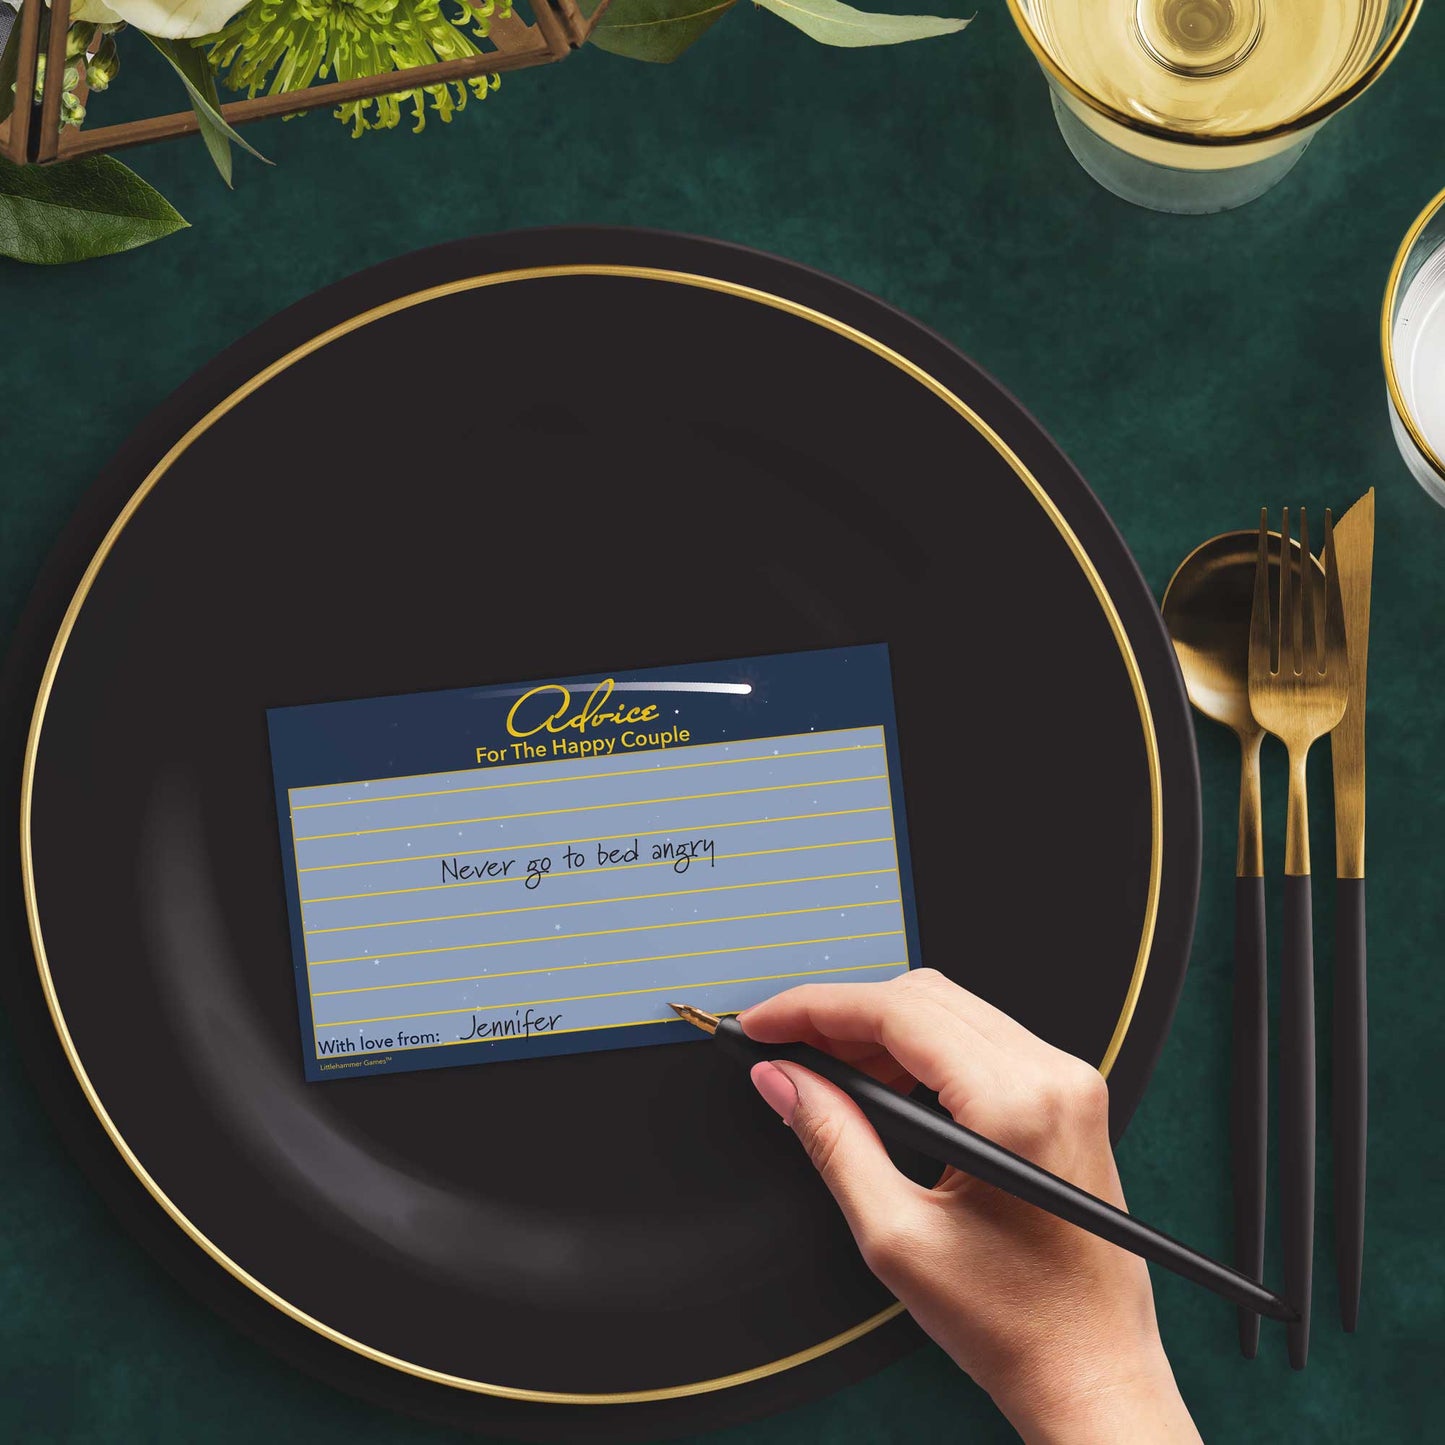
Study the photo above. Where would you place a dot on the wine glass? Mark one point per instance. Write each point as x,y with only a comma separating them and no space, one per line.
1195,106
1412,338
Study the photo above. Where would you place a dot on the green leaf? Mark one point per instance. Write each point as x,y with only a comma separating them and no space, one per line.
657,30
195,72
89,207
837,24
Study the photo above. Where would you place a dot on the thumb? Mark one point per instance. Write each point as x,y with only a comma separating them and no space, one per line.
843,1146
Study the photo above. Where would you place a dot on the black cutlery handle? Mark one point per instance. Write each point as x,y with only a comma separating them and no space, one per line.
1297,1110
1350,1093
1249,1095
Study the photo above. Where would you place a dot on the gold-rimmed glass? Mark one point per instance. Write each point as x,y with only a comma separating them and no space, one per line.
1412,340
1194,106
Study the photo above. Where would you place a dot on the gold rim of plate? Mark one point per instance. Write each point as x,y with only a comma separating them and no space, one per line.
1379,63
77,602
1387,326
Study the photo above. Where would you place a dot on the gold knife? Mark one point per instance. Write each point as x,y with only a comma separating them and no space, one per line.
1354,551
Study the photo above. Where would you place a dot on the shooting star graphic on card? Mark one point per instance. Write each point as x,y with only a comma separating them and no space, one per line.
500,872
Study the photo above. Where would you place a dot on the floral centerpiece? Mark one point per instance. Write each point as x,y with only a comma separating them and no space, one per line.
94,205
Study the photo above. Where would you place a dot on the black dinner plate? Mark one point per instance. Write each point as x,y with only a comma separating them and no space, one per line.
664,450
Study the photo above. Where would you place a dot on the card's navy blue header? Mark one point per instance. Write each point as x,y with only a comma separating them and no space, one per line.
596,715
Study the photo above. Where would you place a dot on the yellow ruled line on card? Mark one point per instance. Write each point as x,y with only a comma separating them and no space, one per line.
601,932
612,868
610,963
602,902
897,863
600,838
305,947
581,777
592,997
641,752
594,807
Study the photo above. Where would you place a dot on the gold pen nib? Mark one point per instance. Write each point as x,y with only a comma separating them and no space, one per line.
695,1016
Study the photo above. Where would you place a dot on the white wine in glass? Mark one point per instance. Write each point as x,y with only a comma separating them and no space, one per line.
1200,105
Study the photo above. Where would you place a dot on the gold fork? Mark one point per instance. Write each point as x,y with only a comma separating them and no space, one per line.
1298,688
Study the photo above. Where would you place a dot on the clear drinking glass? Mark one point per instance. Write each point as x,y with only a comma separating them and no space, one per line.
1412,337
1195,106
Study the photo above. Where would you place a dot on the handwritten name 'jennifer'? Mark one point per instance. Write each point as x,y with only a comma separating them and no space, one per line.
519,1026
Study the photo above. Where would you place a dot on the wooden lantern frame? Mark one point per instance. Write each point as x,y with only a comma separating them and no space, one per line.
558,28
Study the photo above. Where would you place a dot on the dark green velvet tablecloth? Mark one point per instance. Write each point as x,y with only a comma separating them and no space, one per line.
1192,368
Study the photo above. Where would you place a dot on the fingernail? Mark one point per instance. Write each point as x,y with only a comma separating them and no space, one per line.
777,1088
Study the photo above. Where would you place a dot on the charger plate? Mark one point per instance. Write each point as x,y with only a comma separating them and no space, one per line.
667,450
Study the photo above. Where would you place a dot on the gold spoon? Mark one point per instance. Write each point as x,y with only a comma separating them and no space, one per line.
1207,608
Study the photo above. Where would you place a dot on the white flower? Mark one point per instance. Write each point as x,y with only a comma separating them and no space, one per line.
93,12
171,19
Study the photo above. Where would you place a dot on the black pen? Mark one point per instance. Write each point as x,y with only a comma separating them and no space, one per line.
931,1132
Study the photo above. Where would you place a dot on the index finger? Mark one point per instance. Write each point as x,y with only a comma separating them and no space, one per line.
903,1016
993,1023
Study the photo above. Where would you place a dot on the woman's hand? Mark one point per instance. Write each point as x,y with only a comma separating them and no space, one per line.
1056,1325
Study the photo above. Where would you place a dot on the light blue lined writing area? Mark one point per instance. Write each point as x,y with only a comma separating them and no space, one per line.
721,872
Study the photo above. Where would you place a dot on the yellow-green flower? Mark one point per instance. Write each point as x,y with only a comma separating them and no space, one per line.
284,45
